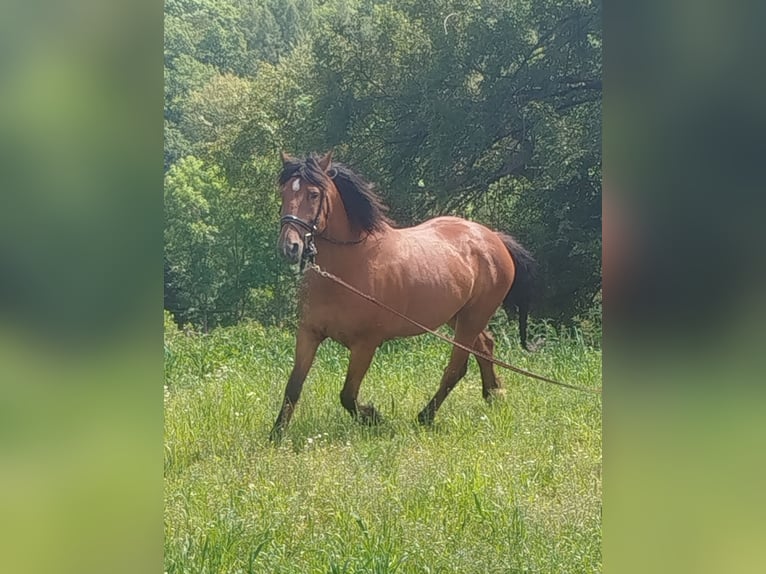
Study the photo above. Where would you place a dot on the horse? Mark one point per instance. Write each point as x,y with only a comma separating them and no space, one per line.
446,270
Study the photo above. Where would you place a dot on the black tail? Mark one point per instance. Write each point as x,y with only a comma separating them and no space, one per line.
520,294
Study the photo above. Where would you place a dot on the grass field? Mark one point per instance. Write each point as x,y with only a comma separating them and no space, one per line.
510,487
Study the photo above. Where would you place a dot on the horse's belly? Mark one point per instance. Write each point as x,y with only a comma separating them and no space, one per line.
363,321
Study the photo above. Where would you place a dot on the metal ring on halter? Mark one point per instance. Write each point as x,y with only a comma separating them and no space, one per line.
332,173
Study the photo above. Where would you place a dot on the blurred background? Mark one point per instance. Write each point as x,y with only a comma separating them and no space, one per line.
94,123
684,282
80,286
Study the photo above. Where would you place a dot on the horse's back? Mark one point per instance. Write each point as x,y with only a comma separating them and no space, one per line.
454,258
456,239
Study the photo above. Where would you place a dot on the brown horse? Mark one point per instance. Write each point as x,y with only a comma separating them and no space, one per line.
446,270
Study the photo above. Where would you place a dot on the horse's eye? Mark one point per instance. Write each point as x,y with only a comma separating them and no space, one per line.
313,194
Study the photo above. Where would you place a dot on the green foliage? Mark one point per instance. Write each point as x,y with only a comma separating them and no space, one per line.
489,110
218,244
191,236
510,487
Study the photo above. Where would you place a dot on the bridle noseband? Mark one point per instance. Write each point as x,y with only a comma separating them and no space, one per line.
310,227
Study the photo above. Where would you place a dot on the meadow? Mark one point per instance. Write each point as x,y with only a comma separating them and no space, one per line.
513,486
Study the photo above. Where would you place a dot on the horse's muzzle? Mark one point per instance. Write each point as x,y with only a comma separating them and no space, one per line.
290,245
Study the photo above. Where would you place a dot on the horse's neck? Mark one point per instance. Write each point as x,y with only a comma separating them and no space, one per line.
340,248
338,225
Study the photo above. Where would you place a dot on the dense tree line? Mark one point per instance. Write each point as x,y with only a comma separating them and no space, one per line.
488,109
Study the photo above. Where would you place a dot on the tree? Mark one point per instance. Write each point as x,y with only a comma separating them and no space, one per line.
220,255
191,238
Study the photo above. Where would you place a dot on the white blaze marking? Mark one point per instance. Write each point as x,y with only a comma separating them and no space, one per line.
296,184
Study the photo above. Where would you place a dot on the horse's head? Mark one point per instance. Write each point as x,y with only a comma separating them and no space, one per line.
304,186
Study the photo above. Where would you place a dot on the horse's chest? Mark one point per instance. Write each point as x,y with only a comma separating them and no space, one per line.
343,317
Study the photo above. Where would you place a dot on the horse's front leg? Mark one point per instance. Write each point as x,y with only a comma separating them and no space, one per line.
361,357
306,343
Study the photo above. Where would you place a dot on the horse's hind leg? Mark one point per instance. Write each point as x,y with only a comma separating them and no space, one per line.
490,384
361,357
456,369
466,332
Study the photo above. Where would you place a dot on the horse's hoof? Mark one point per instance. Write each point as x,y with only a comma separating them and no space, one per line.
371,421
535,345
426,418
275,436
367,415
494,395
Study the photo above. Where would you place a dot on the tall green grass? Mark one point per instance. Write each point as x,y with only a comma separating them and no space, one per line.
514,486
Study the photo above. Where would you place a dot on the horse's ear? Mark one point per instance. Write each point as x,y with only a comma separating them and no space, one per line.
325,161
286,157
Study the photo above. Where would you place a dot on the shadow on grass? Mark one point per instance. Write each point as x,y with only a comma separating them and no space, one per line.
314,430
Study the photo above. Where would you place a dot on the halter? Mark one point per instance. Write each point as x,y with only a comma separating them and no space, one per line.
309,247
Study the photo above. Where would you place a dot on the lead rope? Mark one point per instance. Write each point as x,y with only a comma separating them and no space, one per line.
327,275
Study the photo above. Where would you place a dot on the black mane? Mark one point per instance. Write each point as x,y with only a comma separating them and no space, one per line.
365,211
